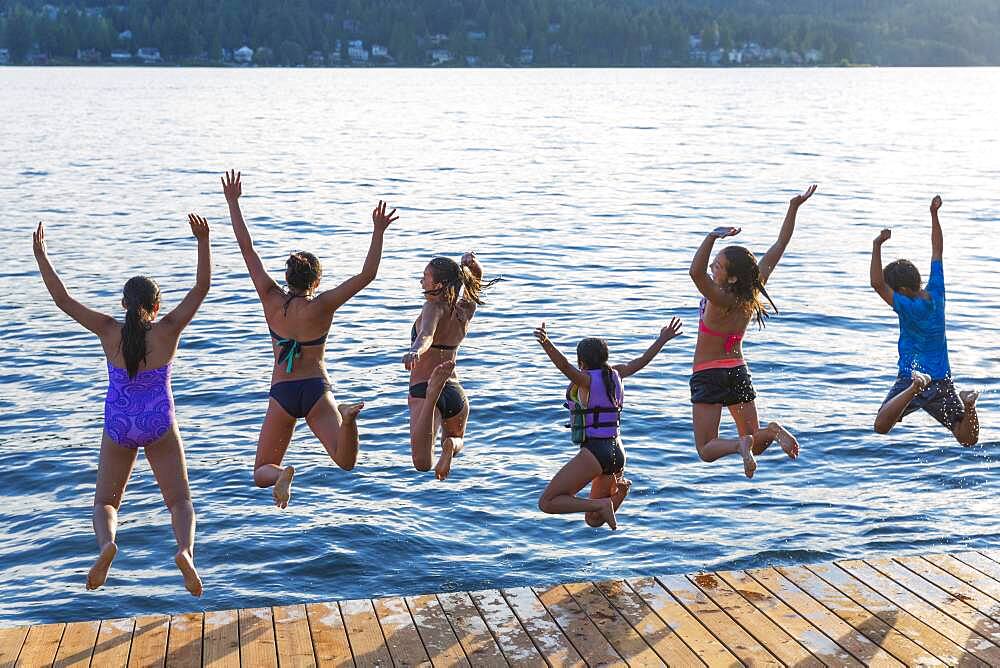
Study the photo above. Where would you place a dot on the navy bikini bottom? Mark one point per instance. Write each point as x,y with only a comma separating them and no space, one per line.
298,397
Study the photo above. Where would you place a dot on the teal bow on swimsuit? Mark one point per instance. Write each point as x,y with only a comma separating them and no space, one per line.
291,349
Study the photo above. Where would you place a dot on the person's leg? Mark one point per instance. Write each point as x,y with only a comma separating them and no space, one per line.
336,427
747,422
892,410
166,458
275,435
423,413
560,496
615,487
706,418
967,430
452,439
113,471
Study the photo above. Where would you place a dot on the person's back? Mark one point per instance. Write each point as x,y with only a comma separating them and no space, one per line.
923,344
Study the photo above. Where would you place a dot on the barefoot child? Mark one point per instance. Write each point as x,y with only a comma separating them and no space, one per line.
924,380
731,298
139,407
299,320
595,397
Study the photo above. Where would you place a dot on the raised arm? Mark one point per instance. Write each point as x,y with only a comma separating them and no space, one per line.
429,318
711,290
937,236
262,281
578,377
98,323
875,271
667,333
774,253
335,298
182,314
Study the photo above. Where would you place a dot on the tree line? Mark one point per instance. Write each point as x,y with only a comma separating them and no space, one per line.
514,32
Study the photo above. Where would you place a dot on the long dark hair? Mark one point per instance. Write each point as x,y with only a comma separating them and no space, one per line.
593,354
741,264
454,277
302,270
140,296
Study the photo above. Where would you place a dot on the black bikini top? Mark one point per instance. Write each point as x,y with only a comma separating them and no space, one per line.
290,348
438,346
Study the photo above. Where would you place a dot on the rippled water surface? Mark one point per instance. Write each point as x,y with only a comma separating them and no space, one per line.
589,191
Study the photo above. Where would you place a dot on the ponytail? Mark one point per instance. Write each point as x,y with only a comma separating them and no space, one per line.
455,278
741,264
608,374
140,296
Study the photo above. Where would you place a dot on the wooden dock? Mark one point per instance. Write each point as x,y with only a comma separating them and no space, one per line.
933,610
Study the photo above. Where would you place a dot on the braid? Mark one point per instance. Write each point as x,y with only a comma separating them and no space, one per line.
141,296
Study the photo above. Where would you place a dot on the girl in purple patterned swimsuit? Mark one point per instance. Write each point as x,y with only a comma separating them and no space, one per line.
139,407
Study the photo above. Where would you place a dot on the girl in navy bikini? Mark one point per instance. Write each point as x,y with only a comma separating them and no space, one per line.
299,320
139,406
731,298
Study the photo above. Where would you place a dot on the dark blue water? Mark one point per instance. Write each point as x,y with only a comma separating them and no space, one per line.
589,191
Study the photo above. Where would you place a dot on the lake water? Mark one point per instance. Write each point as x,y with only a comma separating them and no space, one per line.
589,190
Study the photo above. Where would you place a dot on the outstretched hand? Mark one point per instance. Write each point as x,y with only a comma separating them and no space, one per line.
540,334
199,226
672,330
409,360
468,259
936,203
799,200
382,219
38,239
883,236
231,186
723,232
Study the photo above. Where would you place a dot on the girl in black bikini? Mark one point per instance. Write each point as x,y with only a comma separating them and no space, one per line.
299,320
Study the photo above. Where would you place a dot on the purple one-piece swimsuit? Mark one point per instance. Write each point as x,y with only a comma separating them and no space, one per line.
138,411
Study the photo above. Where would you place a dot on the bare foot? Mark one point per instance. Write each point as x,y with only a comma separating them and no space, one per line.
450,447
283,487
186,565
785,439
350,412
99,571
607,513
746,452
969,398
920,381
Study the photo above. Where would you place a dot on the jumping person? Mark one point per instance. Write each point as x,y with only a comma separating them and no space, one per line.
731,298
595,397
299,319
452,292
139,406
924,380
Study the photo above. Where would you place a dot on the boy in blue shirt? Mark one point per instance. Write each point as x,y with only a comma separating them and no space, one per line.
924,380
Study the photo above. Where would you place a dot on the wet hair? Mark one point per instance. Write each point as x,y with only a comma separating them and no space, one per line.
302,270
454,277
593,354
902,274
141,296
748,289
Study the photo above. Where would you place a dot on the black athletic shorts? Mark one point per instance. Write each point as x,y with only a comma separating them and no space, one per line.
939,399
722,386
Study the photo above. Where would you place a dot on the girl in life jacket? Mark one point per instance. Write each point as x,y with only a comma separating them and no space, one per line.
594,398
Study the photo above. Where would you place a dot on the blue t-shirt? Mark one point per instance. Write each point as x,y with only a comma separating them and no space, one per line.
922,342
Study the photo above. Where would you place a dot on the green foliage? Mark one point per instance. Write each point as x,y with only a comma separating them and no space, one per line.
557,32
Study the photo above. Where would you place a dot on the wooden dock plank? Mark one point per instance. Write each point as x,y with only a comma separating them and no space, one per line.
715,619
114,639
754,622
257,638
77,645
365,634
11,641
184,640
473,633
822,650
149,641
435,631
400,631
514,641
41,645
292,638
585,636
975,631
545,634
626,641
967,574
329,636
980,562
701,640
817,614
890,613
664,640
221,639
955,586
